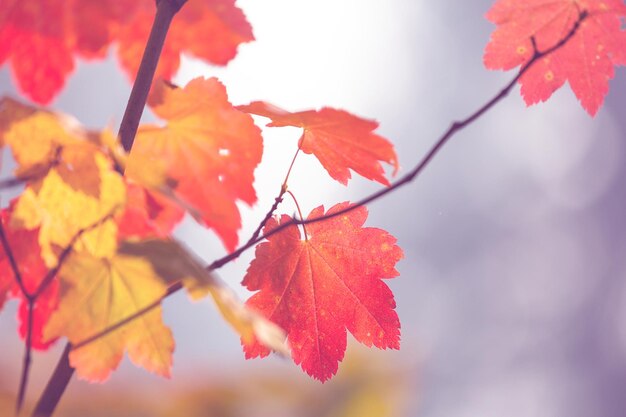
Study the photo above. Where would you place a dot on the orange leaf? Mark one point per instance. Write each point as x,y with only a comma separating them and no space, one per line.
208,149
147,214
319,287
339,140
586,61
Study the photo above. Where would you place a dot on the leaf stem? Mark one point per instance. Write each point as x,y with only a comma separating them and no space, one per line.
295,200
277,200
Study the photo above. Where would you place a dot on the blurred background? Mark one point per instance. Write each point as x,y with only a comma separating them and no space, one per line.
511,295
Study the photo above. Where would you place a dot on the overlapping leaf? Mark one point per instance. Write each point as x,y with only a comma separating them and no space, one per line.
208,151
318,287
147,214
586,60
339,140
41,39
99,293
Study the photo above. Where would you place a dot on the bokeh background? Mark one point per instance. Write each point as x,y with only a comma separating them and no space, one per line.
512,294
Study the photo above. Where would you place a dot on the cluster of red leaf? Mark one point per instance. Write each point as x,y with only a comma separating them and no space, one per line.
42,38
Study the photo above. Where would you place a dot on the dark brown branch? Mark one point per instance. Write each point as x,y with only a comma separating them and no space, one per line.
56,385
166,10
21,394
454,128
12,182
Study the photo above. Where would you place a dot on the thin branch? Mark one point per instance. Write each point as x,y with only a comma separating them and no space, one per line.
12,182
177,286
453,129
21,394
14,267
277,200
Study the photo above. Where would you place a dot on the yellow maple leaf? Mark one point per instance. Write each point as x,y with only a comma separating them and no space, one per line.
97,293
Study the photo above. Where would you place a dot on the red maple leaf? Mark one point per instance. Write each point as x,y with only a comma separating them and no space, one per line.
318,287
25,248
586,60
339,140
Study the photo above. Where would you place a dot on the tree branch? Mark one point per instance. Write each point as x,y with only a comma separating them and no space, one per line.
166,10
56,385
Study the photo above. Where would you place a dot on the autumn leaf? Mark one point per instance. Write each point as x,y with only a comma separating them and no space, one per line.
208,151
586,60
172,262
61,212
41,39
41,140
27,255
207,29
318,287
147,214
98,293
339,140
